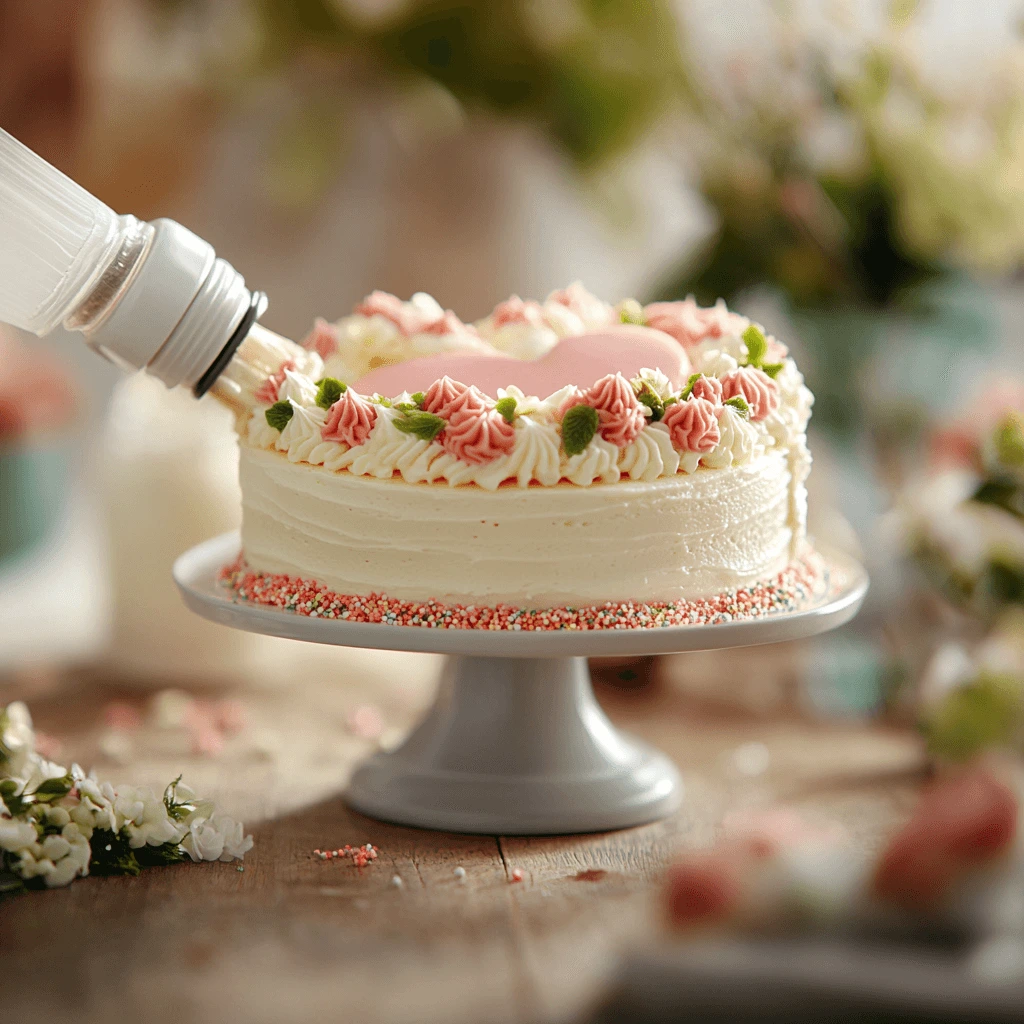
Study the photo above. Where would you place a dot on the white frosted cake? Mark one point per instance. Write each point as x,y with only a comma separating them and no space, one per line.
554,455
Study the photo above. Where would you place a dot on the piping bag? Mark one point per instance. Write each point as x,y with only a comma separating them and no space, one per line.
146,295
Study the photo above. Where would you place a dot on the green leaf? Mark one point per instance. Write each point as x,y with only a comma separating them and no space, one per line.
772,369
506,407
1004,492
112,854
688,390
983,714
382,401
279,414
160,856
757,345
15,802
425,425
739,403
1010,441
646,395
579,425
328,391
419,398
53,789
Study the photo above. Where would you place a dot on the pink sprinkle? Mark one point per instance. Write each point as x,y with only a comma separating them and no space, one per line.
792,588
517,875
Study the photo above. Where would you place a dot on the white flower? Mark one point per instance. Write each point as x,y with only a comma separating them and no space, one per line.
95,807
216,838
717,363
657,382
143,815
16,835
17,739
57,859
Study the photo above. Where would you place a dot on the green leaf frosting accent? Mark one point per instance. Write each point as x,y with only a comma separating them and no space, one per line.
632,313
279,414
506,408
772,369
646,395
419,398
381,401
425,425
415,402
579,425
328,391
688,390
757,345
740,403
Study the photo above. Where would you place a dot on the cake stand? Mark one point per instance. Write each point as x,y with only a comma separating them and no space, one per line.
516,743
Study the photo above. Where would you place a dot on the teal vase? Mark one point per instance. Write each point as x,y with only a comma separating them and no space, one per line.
32,489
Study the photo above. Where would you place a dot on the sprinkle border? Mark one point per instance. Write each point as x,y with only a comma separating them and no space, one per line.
804,580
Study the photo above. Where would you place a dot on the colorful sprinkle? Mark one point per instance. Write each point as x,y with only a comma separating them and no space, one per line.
359,855
517,875
797,585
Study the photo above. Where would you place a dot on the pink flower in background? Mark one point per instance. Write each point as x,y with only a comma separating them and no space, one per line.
689,323
445,397
406,317
266,393
589,308
621,416
350,419
755,387
515,311
447,323
709,388
323,339
693,425
477,436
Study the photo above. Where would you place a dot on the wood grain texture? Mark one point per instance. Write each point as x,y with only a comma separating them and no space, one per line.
292,936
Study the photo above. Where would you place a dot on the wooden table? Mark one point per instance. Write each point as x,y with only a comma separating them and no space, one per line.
292,937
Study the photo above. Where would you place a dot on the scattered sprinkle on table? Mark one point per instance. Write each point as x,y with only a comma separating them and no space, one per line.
787,592
396,881
460,873
359,855
517,875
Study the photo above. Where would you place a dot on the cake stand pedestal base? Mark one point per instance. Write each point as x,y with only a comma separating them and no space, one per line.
517,746
516,743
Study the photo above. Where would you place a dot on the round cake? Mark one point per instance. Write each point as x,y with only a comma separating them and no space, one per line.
558,455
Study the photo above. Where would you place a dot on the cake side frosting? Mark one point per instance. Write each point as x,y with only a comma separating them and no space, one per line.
674,539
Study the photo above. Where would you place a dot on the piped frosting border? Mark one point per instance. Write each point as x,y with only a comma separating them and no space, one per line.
745,396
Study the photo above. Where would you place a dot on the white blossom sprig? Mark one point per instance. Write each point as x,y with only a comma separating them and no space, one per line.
58,824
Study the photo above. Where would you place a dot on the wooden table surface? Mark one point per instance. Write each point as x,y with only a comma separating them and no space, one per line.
291,937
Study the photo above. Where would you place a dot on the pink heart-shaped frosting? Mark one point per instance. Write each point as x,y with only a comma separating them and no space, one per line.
579,360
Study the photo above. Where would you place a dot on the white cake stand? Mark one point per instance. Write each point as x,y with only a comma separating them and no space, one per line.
515,743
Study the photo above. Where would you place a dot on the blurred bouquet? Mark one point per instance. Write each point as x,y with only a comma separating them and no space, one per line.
963,519
844,176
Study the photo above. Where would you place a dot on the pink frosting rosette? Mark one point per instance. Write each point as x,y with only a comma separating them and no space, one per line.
515,311
477,436
267,392
620,414
406,317
755,387
446,323
322,339
693,425
588,307
689,323
349,420
709,388
446,397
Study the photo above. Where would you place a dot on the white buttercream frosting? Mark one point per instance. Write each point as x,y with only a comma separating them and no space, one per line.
674,538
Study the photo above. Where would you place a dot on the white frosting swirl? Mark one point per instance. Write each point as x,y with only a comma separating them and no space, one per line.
650,456
740,441
520,341
302,433
598,461
716,363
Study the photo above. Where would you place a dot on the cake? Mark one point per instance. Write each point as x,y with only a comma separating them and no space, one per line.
559,455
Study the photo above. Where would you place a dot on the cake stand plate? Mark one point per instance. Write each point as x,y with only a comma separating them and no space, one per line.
516,743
